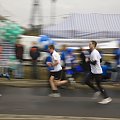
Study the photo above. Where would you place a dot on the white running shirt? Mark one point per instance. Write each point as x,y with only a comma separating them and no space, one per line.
56,56
95,55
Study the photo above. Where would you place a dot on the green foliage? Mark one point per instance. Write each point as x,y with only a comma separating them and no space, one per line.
10,31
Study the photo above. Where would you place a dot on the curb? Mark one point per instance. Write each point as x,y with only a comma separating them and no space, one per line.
45,83
24,82
48,117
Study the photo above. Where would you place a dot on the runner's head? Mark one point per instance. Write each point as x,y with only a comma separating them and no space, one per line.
51,48
92,45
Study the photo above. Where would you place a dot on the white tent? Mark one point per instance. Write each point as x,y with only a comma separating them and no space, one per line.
86,26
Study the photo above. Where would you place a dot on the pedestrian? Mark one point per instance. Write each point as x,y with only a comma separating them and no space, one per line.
96,74
70,65
0,59
68,59
107,71
55,72
63,59
19,51
117,66
34,54
84,55
4,70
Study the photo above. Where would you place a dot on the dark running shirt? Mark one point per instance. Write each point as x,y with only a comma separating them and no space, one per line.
19,50
34,52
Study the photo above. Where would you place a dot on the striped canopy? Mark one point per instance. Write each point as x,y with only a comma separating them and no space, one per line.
86,26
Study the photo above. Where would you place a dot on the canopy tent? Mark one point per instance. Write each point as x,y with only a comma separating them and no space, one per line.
86,26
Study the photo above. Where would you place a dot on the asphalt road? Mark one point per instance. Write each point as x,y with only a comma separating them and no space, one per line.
74,102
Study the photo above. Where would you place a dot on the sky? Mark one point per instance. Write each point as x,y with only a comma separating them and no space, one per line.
20,10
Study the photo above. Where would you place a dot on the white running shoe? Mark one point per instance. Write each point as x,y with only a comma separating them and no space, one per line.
54,95
105,101
96,95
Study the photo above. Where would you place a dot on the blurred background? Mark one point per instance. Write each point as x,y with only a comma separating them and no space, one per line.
27,28
58,22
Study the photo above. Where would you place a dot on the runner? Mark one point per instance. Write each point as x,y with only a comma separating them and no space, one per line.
55,73
96,74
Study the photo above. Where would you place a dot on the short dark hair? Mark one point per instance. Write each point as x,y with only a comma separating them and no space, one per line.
51,47
94,43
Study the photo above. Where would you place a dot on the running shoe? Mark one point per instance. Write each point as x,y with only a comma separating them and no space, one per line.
54,95
106,101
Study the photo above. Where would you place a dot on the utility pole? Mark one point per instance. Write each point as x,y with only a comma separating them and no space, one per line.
36,20
53,11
